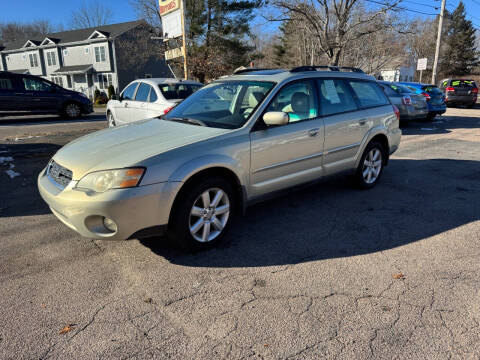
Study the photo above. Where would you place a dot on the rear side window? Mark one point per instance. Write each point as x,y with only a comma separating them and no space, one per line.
368,93
6,84
335,97
153,96
129,92
34,84
142,92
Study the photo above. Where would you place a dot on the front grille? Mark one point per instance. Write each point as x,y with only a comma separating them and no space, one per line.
60,175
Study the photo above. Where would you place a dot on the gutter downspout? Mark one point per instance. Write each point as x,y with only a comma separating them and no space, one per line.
115,65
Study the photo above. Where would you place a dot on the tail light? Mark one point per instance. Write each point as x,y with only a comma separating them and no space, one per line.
167,110
397,112
450,89
426,95
407,100
475,91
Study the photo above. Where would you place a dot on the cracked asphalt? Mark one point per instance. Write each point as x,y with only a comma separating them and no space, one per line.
326,272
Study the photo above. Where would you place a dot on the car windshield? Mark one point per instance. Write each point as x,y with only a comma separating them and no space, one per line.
178,91
221,104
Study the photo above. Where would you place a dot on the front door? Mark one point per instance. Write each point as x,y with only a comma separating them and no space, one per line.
282,156
122,107
41,94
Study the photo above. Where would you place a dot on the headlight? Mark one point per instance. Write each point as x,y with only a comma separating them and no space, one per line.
102,181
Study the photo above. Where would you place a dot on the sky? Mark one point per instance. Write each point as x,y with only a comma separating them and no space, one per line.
59,11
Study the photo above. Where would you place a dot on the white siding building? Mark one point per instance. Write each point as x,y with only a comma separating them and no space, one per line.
81,60
398,74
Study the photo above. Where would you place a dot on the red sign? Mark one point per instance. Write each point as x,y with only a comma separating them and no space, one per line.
167,6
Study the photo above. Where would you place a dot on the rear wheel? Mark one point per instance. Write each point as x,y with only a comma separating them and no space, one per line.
202,214
72,110
371,164
430,117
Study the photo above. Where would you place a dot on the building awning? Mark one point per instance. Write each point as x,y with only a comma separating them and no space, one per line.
20,71
74,69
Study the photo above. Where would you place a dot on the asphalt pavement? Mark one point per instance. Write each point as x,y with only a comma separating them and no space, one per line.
320,273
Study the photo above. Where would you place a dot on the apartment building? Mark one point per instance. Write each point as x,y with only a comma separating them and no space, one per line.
82,60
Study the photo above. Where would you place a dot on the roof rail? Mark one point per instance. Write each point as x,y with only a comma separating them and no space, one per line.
326,67
244,70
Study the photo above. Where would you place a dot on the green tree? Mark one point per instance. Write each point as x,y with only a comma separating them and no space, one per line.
461,55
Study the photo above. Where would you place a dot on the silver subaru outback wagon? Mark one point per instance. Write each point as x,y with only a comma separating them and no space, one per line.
232,142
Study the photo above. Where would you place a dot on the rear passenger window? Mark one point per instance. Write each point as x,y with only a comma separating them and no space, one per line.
368,93
142,92
5,84
298,100
335,97
153,96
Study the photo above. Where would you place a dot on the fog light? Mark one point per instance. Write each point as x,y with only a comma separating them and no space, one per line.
110,224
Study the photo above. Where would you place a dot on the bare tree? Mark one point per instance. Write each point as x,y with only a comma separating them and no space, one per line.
148,10
336,23
36,30
90,15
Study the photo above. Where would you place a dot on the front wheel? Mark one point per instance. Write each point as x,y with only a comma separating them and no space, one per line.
111,120
202,214
371,164
72,110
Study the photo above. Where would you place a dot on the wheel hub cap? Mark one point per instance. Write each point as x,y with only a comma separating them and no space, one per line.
372,166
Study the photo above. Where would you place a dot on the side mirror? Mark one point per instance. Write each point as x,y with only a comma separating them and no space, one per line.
276,118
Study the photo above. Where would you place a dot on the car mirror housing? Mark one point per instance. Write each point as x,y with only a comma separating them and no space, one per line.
276,118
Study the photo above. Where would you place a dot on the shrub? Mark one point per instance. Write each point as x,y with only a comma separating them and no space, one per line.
111,91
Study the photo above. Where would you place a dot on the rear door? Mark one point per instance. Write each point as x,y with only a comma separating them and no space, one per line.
139,107
40,95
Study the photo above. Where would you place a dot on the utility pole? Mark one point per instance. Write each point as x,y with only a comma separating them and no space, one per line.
437,48
184,38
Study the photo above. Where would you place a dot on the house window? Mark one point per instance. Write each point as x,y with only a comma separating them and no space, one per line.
100,53
51,58
105,80
69,81
58,80
33,60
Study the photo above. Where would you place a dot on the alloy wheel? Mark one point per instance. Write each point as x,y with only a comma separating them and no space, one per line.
209,215
372,165
72,110
111,120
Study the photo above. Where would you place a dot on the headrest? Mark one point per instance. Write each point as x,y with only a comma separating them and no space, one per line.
254,98
300,103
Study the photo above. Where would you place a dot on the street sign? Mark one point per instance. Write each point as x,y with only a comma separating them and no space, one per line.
173,53
172,24
422,64
167,6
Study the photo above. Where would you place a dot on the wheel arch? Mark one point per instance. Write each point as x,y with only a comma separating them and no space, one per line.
379,136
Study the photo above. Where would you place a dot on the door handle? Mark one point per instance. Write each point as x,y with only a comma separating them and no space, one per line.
362,122
313,132
125,105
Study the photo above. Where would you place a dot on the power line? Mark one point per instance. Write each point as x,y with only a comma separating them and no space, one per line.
401,8
419,4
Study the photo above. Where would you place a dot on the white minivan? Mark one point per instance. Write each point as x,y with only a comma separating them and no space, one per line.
148,98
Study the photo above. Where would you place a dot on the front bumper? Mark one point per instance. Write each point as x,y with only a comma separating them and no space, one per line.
87,108
132,210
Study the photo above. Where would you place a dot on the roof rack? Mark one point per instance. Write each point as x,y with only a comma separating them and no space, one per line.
244,70
326,67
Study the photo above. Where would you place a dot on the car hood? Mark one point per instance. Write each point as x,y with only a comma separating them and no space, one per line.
129,145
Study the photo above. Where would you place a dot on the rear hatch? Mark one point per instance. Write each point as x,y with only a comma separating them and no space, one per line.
436,95
463,87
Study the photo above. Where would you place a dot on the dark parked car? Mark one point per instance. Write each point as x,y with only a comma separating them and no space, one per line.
459,92
411,106
435,97
27,94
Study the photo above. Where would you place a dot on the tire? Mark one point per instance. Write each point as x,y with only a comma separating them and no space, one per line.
430,117
111,120
72,110
195,223
369,170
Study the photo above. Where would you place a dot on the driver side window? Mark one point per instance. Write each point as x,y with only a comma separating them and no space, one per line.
298,100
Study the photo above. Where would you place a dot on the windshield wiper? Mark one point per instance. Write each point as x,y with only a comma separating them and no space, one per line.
187,121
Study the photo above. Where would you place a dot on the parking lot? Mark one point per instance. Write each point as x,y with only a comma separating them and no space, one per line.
323,272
